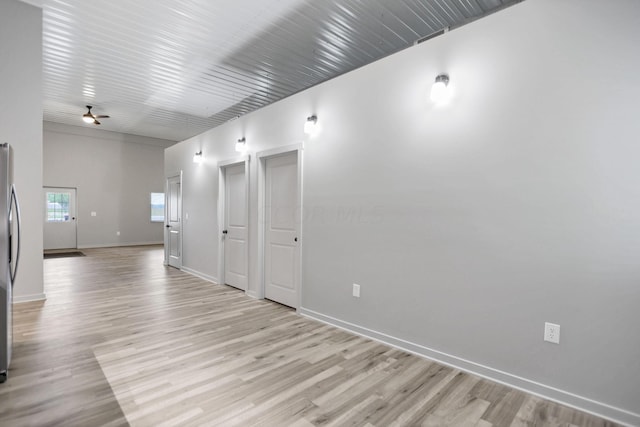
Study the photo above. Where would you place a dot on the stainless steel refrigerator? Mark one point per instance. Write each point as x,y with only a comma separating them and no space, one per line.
9,254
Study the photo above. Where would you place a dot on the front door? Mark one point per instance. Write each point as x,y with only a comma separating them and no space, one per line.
235,227
60,230
173,226
281,229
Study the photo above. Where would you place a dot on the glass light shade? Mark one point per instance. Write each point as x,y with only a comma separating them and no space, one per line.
440,91
311,126
197,158
88,118
241,145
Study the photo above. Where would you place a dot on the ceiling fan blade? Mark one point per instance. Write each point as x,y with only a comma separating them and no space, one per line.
96,122
101,117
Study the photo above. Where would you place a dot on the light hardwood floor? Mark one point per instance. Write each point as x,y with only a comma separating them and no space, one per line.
124,340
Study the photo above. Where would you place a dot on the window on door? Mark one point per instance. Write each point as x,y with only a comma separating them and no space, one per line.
58,207
157,207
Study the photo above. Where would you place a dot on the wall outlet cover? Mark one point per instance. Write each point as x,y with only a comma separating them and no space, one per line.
552,333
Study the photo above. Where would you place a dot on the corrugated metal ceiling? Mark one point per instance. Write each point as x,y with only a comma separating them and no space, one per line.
173,69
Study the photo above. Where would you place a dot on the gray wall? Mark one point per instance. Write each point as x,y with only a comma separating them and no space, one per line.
114,175
469,226
21,126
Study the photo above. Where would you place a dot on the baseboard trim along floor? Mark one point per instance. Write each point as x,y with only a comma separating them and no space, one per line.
18,299
200,275
581,403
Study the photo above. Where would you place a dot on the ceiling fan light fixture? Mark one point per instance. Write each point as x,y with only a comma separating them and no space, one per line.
89,117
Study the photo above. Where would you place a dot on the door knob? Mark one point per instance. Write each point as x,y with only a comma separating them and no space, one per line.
295,239
168,226
224,231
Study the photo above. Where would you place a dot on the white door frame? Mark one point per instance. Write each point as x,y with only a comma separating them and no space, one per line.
262,157
222,165
166,217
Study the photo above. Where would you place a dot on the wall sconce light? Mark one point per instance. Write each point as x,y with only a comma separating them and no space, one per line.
440,91
197,158
241,145
311,125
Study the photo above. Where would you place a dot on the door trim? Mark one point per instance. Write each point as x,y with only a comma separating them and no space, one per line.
166,216
222,165
262,157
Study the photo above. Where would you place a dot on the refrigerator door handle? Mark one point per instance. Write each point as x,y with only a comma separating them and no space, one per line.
14,198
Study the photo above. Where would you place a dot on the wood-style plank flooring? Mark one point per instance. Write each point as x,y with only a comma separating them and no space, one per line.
123,340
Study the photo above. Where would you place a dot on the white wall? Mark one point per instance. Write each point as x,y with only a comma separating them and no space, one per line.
114,174
469,226
21,126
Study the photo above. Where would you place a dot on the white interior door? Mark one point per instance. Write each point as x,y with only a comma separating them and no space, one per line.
173,226
281,229
235,227
60,225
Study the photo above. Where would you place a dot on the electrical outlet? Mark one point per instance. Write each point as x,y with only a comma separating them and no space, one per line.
552,332
94,214
117,233
356,290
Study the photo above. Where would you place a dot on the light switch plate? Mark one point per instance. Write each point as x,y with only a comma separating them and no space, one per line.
356,290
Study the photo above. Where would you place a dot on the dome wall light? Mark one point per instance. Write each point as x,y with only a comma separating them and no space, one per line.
311,125
197,158
241,145
440,90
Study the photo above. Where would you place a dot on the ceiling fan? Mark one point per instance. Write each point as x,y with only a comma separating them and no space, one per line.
89,117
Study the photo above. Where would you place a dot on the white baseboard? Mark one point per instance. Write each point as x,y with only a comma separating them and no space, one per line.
603,410
116,245
213,280
200,275
17,299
